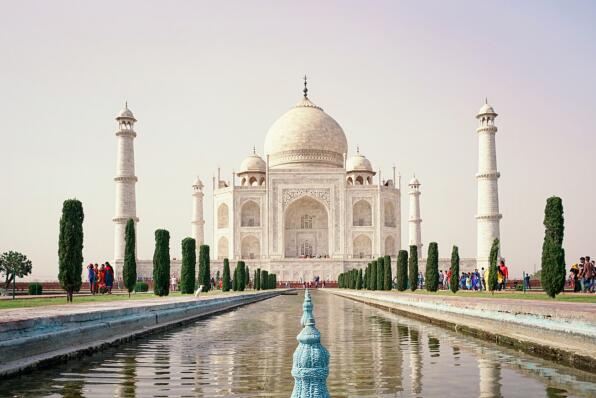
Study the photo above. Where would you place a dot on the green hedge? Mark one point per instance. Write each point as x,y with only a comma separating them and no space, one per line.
35,288
141,287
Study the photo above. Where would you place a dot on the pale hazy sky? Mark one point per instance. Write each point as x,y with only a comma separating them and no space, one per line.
207,79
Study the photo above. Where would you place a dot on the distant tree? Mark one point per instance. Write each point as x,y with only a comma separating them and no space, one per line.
264,279
454,282
235,279
553,254
246,277
161,263
204,268
129,269
402,270
373,275
388,279
492,266
258,279
14,265
241,276
189,262
380,273
271,281
413,267
432,268
70,247
365,279
360,280
225,284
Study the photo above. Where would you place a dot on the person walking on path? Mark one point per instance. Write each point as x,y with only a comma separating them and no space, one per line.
96,272
588,276
505,272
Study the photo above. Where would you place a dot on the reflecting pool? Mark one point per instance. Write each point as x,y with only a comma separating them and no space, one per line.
248,353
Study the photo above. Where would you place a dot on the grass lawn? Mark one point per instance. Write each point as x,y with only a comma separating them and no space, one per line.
38,302
570,297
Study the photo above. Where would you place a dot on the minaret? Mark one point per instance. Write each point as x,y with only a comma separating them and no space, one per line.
487,216
414,219
197,212
126,203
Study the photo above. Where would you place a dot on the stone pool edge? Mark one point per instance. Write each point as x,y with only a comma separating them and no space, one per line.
174,315
529,346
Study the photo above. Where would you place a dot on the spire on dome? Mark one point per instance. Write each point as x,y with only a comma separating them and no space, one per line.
305,91
254,150
358,149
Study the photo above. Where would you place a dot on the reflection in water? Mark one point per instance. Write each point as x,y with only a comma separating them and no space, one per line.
248,353
490,378
415,361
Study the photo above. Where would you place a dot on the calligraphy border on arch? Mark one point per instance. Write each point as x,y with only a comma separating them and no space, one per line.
289,195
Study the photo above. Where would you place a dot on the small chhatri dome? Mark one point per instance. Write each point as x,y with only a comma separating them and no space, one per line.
486,109
198,183
358,162
125,112
414,181
253,163
305,136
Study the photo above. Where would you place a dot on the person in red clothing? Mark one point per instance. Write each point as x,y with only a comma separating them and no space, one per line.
505,272
447,283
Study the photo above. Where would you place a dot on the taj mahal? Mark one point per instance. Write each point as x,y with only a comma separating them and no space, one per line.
307,208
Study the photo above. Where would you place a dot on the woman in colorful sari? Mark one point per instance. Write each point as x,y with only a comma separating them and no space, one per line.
109,278
101,280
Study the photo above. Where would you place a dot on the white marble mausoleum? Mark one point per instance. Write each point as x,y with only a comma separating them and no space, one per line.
307,208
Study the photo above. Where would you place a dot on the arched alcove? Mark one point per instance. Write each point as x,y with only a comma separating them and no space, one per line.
306,229
250,247
390,246
223,216
222,248
362,214
389,210
250,214
362,247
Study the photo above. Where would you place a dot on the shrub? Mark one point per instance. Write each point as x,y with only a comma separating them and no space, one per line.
141,287
35,288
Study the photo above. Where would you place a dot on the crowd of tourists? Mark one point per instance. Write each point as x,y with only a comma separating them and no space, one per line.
101,278
476,280
582,276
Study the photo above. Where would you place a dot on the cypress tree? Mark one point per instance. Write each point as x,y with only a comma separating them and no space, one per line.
254,280
360,281
373,275
402,270
553,254
258,279
246,277
161,263
264,279
271,281
241,276
70,247
365,279
413,267
189,262
129,269
225,284
388,279
432,268
454,282
235,279
204,268
492,266
380,273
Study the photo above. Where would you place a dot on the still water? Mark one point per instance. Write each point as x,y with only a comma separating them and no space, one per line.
248,353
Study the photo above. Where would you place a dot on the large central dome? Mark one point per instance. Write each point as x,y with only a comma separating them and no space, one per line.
305,136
